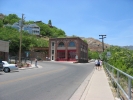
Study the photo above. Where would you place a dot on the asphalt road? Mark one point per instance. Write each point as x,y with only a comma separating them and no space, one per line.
54,81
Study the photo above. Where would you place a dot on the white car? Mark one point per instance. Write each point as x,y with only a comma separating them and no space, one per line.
92,60
9,67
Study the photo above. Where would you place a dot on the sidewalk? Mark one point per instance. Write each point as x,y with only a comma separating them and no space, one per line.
31,67
98,87
94,87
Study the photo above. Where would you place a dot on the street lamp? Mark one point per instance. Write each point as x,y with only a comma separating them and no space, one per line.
103,36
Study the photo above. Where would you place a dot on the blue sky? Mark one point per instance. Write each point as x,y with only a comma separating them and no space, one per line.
83,18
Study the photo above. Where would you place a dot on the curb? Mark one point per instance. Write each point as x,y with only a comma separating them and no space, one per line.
32,67
87,87
80,93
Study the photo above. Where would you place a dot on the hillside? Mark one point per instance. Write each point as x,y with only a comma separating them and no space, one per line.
47,30
94,44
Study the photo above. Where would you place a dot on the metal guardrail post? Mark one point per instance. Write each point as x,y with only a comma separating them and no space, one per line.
118,95
110,70
129,88
107,66
113,72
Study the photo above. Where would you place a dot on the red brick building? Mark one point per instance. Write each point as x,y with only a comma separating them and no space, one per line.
68,49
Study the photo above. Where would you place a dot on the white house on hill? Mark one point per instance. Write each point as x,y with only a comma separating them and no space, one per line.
30,28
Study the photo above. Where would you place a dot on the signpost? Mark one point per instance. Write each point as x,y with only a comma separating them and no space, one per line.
108,55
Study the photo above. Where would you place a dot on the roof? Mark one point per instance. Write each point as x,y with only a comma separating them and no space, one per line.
67,38
33,25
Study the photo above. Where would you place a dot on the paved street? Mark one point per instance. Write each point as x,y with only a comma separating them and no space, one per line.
54,81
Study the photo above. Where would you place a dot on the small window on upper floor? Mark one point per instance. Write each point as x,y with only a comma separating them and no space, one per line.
52,43
61,44
71,44
83,46
52,51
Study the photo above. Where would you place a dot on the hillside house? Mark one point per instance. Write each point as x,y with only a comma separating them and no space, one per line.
31,28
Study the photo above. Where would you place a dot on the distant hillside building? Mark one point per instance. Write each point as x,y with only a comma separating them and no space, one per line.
31,28
68,49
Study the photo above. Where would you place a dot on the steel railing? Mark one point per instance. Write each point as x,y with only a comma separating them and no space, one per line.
110,70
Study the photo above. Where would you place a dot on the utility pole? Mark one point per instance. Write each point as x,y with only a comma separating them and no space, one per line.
103,36
21,26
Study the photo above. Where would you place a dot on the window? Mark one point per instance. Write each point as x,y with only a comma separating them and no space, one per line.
52,43
52,57
61,54
61,44
83,46
71,44
71,54
52,51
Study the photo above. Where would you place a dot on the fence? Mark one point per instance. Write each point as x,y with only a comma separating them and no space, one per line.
119,78
15,59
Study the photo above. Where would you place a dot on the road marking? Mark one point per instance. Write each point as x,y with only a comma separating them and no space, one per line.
32,76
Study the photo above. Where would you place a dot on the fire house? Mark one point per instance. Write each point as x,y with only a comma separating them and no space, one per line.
68,49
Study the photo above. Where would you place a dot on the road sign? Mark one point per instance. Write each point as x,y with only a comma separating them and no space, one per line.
108,54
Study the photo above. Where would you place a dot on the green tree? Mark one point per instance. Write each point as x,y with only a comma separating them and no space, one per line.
85,41
45,30
1,23
10,19
29,22
28,41
49,23
121,58
93,54
5,21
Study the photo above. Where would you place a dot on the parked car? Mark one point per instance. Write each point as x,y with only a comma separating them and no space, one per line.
1,66
9,67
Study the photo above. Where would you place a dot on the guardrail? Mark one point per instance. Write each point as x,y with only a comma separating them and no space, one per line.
115,76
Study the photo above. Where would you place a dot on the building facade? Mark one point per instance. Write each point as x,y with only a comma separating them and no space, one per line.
68,49
4,50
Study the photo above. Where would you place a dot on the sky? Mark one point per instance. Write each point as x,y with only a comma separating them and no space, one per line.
83,18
